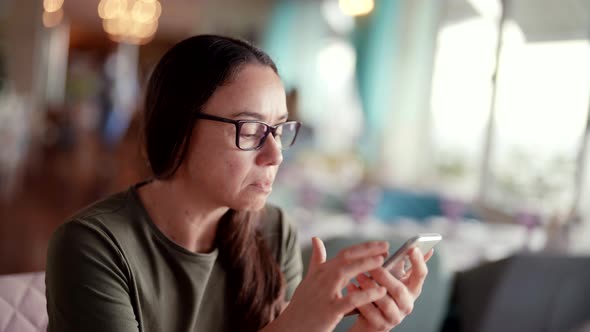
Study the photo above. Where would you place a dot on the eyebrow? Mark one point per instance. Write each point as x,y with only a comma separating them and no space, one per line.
256,116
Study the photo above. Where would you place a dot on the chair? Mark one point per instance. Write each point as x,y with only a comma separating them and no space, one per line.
22,302
523,293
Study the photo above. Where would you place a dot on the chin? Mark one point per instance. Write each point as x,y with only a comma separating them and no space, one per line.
253,204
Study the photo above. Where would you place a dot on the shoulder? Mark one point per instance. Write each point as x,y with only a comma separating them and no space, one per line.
92,243
274,224
114,206
113,216
100,224
278,230
87,276
281,235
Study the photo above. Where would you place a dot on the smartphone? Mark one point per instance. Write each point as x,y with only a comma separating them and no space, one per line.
424,242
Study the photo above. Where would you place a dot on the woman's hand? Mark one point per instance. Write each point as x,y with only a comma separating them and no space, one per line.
389,311
318,303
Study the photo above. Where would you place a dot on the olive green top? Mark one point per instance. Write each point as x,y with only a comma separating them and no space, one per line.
110,268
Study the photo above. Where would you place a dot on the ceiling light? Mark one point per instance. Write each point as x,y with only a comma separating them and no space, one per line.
356,7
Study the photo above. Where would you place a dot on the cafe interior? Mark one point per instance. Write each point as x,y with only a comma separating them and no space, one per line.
467,118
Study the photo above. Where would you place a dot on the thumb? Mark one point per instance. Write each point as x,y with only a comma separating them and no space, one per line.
318,254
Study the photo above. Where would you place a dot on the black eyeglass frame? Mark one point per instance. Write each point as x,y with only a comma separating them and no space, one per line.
239,123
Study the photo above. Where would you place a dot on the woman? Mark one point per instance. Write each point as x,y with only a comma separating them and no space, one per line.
196,248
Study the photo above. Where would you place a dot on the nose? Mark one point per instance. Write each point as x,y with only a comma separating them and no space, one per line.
270,154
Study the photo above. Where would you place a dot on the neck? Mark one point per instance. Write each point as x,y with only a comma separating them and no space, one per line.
185,218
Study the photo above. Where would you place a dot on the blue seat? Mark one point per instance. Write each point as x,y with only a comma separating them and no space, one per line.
398,203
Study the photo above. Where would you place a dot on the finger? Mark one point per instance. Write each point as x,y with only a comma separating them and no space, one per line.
351,288
399,269
384,312
359,298
418,274
318,253
428,255
397,291
404,275
362,250
350,270
374,316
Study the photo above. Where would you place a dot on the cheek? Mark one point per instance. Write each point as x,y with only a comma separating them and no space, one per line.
237,168
219,167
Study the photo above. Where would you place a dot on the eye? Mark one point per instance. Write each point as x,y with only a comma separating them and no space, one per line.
252,130
248,135
279,131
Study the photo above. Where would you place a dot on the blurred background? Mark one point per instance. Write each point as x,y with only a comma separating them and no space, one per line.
464,117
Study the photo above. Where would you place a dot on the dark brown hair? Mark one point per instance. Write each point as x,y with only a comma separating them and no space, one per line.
181,84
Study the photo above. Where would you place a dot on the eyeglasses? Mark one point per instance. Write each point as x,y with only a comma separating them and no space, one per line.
251,134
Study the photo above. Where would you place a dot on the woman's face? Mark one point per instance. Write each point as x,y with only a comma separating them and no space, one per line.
215,169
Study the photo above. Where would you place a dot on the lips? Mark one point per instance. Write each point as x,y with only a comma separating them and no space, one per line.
264,186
